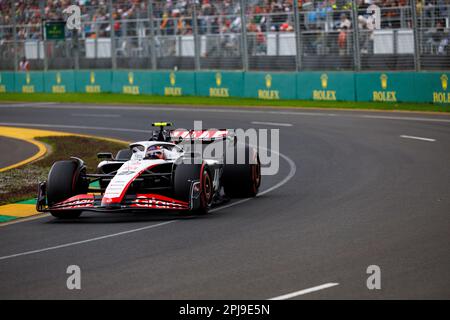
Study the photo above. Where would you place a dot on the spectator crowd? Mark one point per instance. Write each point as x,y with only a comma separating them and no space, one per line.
174,17
214,16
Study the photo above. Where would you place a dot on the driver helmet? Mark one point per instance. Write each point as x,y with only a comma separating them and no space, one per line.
155,152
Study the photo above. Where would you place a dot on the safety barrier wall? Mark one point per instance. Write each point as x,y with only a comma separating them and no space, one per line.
132,82
331,86
59,82
431,87
7,82
220,84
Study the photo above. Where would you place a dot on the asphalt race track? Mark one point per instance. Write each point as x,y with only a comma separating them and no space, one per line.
351,192
14,150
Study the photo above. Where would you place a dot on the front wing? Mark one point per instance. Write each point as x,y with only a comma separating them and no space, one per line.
90,202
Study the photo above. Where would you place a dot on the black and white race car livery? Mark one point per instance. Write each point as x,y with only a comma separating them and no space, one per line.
161,173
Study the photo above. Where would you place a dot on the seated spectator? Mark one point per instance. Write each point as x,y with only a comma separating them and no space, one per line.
344,22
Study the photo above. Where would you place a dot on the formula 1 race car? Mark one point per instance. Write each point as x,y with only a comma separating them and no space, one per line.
161,173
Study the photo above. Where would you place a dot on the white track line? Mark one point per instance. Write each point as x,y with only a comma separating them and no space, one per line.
61,126
305,291
345,113
96,115
276,124
85,241
293,169
127,108
417,138
402,118
25,105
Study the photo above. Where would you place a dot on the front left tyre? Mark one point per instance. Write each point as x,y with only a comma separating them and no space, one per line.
65,180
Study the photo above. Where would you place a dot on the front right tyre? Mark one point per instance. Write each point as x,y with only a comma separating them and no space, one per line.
184,176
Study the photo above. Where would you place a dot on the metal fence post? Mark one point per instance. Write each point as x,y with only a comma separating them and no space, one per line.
416,33
244,49
152,32
96,29
298,34
44,42
16,60
112,35
76,47
356,46
196,36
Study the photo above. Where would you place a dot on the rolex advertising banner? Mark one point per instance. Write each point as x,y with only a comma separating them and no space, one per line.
428,87
59,81
29,82
326,86
385,87
7,82
174,83
97,81
220,84
132,82
270,86
432,87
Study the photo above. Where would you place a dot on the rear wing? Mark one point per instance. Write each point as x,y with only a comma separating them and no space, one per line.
205,135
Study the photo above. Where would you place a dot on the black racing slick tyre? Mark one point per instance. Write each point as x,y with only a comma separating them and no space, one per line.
64,181
242,180
184,174
124,154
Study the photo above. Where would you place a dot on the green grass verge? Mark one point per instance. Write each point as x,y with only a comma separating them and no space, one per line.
6,218
21,183
110,98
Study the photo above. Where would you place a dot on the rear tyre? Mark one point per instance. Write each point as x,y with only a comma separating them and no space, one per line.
124,154
65,181
184,175
242,180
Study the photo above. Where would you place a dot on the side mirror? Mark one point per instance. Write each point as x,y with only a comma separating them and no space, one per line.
105,155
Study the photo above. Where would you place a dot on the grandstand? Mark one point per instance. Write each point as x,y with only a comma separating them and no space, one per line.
347,35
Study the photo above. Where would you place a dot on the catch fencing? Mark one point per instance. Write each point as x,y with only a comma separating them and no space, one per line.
334,35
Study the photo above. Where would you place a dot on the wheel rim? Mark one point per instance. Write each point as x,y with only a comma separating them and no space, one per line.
207,187
256,175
